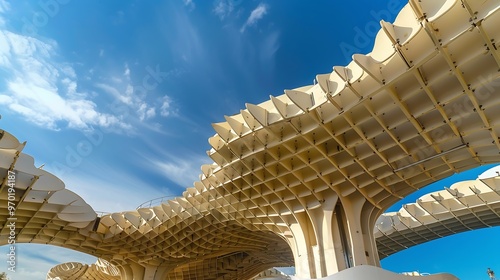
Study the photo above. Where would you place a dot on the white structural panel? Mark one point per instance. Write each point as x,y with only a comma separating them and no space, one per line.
35,201
464,206
301,178
101,270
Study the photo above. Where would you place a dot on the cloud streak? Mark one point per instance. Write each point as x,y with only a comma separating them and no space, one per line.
4,7
223,8
99,184
182,168
44,91
190,4
34,261
256,15
182,171
132,100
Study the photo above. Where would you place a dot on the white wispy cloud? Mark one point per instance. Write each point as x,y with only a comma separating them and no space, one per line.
146,112
182,171
4,7
166,106
99,184
134,97
223,8
35,260
256,15
189,3
124,98
43,90
188,43
267,52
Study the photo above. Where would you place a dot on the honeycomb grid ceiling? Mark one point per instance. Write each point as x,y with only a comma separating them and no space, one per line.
421,106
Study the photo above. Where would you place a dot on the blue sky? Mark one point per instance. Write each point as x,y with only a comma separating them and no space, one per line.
117,97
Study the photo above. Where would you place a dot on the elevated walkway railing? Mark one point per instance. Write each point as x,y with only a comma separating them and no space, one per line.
102,213
155,201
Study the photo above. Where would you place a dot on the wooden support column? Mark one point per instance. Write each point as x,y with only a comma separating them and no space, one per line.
156,272
131,271
321,219
360,221
303,239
